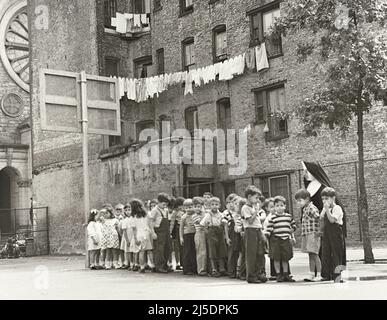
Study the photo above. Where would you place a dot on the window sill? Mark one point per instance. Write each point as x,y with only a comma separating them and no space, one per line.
111,31
113,151
186,11
276,56
270,138
220,58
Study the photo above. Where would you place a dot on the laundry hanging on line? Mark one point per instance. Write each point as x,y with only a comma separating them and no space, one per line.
143,89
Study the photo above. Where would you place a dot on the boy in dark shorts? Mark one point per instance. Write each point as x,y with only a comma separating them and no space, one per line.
280,227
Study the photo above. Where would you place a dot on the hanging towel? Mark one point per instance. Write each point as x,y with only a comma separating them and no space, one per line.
188,84
240,64
144,19
211,74
225,72
121,86
136,20
121,23
261,57
195,76
250,58
131,93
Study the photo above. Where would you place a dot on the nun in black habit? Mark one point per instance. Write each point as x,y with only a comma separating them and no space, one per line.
315,180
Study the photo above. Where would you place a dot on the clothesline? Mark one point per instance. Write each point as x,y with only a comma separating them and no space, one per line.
128,22
142,89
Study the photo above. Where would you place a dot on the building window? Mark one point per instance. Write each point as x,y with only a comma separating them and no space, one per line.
160,61
165,126
139,6
277,186
109,12
186,7
188,54
142,125
191,120
141,66
261,22
219,43
270,108
224,114
157,5
111,67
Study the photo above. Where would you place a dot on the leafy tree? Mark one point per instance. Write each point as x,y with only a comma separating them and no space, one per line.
349,38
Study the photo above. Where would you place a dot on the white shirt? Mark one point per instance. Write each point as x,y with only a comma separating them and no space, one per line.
336,212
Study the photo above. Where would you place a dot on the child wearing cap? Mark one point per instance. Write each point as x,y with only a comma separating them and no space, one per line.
217,236
162,244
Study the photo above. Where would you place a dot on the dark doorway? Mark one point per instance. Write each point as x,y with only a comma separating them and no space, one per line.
5,203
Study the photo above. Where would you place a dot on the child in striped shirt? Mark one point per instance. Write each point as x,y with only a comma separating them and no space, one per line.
281,227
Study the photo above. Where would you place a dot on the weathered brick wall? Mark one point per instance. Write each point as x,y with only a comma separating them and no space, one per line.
69,44
111,181
8,125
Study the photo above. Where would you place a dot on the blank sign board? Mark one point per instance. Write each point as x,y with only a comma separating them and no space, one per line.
60,103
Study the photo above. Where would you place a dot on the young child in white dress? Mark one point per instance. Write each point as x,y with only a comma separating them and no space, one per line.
143,235
94,239
127,235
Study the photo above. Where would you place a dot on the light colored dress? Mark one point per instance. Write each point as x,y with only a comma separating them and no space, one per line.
94,231
126,228
143,235
110,238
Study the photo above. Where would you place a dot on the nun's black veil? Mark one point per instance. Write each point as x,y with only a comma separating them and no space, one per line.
318,172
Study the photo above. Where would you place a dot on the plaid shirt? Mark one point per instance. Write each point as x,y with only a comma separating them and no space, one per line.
310,219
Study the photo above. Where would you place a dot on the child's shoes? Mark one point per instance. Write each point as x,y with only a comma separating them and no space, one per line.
287,278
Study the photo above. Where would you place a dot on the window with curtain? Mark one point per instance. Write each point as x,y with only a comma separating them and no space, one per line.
140,6
270,109
160,61
186,6
220,43
261,22
110,9
191,120
141,66
188,54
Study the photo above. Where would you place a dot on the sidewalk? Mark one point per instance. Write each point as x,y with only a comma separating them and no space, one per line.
356,270
65,277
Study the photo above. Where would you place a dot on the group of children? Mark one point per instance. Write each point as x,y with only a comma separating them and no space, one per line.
208,242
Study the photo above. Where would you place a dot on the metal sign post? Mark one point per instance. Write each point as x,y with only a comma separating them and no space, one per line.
68,99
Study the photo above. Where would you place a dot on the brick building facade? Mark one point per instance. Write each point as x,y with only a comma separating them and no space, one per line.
80,37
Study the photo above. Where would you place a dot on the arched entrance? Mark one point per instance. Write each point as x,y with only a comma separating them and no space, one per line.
9,198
